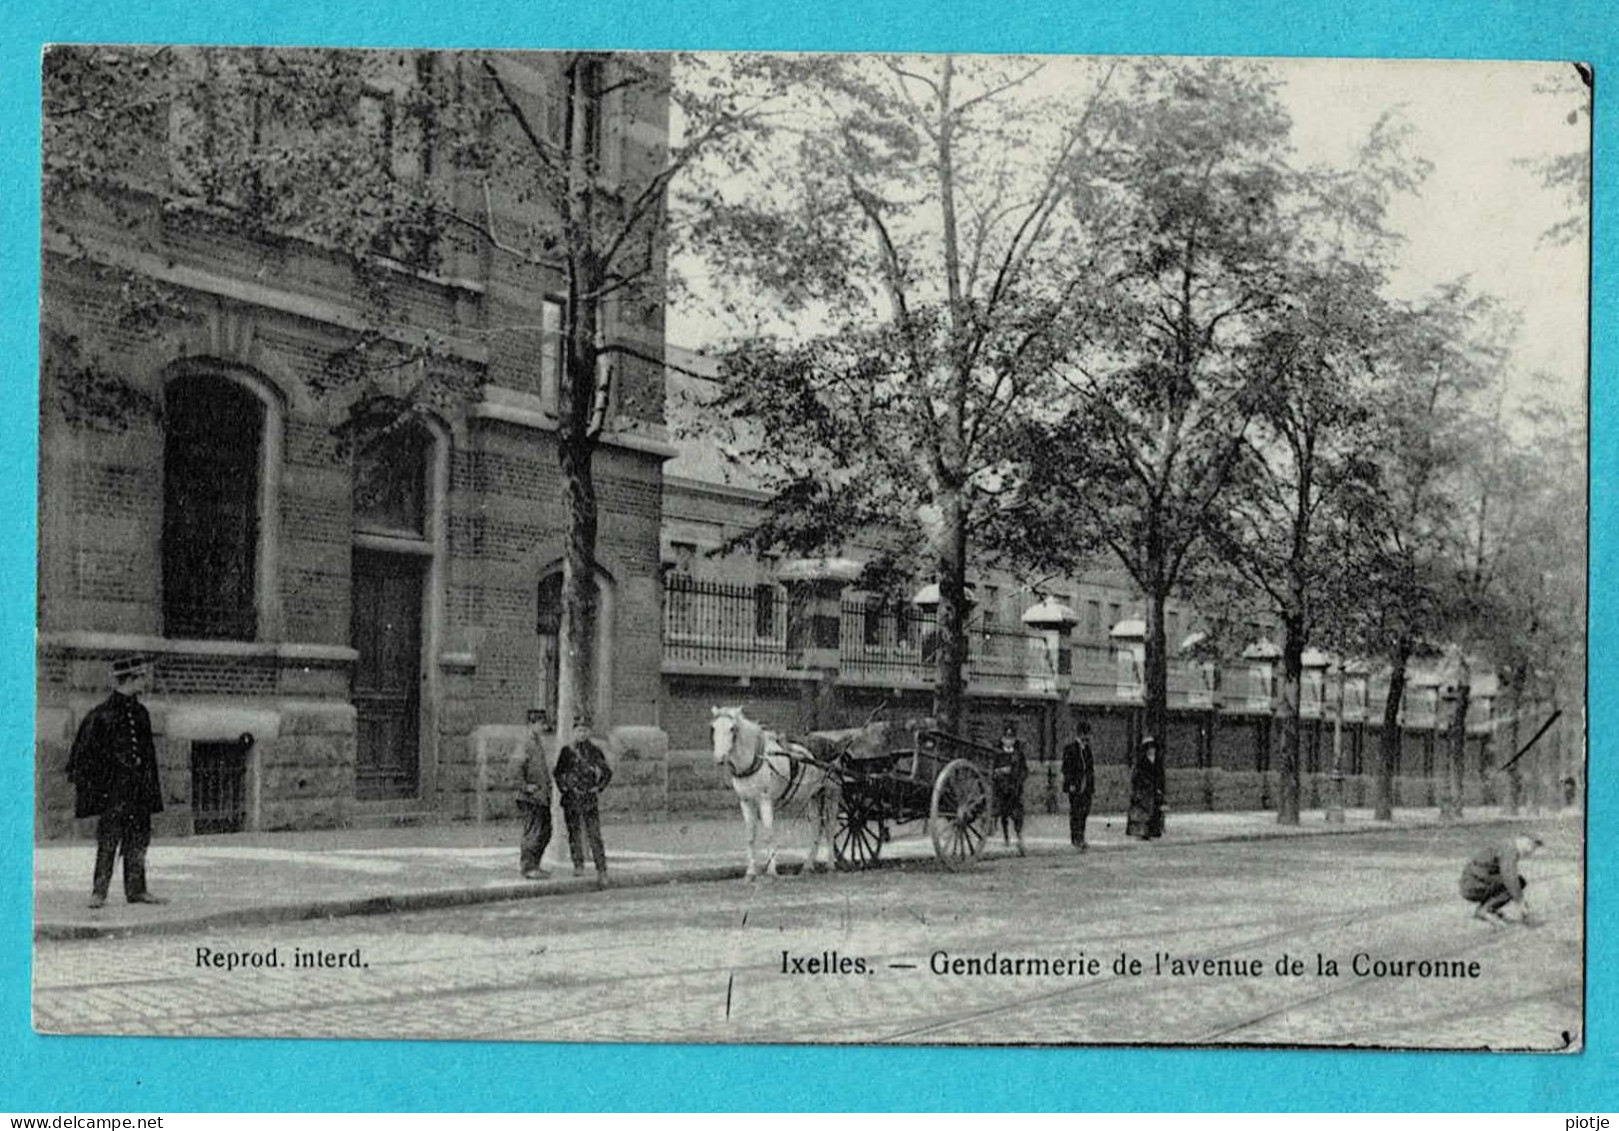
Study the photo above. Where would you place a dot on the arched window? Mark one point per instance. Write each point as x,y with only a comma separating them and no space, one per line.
390,481
596,677
213,434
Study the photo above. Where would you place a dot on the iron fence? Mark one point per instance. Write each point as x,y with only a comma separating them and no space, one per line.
743,629
712,624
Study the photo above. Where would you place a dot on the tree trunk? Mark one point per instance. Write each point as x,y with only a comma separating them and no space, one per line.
574,696
1455,790
1520,676
1155,700
1389,740
577,399
948,703
1287,805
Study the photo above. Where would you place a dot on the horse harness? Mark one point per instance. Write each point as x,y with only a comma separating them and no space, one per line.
793,776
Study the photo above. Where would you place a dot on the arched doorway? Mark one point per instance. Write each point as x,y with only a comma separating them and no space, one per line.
396,500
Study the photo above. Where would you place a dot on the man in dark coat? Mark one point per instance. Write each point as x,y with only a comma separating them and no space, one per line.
1146,819
113,767
1010,772
1079,782
534,800
582,773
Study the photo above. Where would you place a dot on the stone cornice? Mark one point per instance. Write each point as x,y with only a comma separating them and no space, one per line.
282,300
81,641
542,421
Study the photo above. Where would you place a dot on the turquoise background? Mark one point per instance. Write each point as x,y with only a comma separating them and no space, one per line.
53,1074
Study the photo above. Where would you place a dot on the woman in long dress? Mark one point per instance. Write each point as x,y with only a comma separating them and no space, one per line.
1146,818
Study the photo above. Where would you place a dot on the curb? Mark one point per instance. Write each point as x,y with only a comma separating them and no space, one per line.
442,898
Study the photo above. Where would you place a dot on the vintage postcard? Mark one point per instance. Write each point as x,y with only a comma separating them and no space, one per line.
788,548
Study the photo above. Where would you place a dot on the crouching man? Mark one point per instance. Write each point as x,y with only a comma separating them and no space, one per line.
1491,878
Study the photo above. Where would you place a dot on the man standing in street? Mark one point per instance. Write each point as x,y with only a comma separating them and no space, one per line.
582,773
1491,878
1010,772
534,800
1079,782
113,767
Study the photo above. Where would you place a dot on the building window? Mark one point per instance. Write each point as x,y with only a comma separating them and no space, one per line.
552,352
764,611
871,621
390,481
211,456
685,557
1093,620
394,136
595,661
589,104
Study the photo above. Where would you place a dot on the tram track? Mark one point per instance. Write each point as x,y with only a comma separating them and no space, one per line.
696,994
1315,924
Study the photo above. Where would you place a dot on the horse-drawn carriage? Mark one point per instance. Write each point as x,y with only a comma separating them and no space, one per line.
865,781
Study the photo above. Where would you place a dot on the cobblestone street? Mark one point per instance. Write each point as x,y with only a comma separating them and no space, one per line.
704,961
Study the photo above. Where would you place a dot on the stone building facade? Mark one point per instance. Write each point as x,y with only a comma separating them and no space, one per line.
340,634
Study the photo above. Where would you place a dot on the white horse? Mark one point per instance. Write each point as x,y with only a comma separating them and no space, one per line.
768,773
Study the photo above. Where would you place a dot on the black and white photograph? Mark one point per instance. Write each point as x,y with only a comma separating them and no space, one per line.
777,548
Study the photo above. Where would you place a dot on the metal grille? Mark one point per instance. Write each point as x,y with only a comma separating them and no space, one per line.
712,624
886,642
218,787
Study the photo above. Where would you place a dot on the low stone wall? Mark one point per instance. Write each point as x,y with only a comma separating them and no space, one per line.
697,786
298,769
639,757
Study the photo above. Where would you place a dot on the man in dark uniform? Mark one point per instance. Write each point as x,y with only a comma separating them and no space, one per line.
1011,770
113,767
1079,782
534,800
582,773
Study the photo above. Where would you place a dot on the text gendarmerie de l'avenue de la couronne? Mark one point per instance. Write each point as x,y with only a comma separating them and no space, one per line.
1158,964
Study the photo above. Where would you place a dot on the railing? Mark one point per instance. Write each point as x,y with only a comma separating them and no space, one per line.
737,628
743,629
887,643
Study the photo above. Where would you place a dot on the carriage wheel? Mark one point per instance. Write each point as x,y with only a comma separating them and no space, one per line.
959,820
858,839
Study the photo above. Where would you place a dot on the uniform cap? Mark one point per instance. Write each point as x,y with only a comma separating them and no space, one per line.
125,666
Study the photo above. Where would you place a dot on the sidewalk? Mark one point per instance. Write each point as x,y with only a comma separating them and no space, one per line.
277,877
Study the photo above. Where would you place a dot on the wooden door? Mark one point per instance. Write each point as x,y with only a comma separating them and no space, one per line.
387,633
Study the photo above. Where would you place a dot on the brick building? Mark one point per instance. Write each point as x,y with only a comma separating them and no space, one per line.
340,634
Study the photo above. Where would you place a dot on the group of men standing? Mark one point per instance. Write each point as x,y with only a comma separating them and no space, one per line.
113,768
580,776
1011,771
